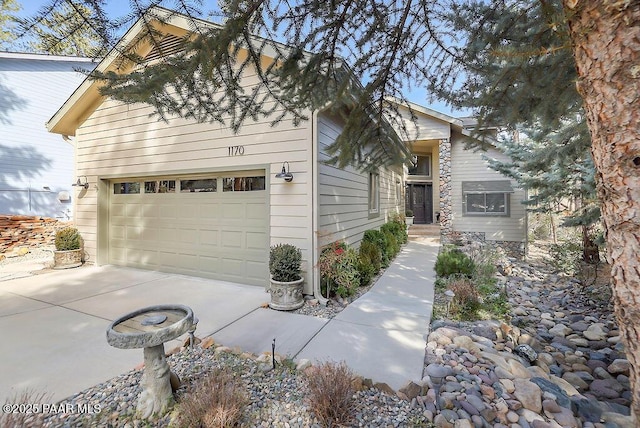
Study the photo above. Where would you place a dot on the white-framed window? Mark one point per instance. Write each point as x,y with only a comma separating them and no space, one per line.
486,198
374,194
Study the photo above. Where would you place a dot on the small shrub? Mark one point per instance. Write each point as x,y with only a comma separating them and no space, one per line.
284,262
393,247
453,261
397,229
566,257
338,265
68,239
218,401
331,393
370,261
408,213
378,239
467,299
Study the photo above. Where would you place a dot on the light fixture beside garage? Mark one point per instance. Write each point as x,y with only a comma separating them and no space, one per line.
81,183
288,177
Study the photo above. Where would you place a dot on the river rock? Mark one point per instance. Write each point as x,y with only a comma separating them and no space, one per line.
529,394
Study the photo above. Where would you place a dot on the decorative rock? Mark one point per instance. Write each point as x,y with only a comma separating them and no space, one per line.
619,366
550,406
304,364
527,352
560,330
411,390
575,380
529,394
518,370
595,332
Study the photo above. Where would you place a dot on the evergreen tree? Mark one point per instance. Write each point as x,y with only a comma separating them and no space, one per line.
7,22
520,74
65,28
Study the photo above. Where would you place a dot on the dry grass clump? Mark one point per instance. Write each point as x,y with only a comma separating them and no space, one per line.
218,401
25,416
467,298
331,393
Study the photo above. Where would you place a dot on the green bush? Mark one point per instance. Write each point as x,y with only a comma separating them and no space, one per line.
284,262
68,239
370,262
397,229
393,247
566,257
453,261
339,272
378,239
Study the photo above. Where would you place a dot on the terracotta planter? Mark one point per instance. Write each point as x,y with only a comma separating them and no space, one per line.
67,259
286,296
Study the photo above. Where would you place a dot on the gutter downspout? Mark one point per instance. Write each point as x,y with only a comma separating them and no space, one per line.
314,210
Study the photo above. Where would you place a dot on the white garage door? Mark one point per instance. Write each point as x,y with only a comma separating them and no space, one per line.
214,225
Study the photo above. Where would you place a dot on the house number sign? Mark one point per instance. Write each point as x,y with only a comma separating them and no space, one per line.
236,150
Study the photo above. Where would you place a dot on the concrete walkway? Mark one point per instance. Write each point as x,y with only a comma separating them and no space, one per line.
52,325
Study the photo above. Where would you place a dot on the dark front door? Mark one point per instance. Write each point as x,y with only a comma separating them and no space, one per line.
419,200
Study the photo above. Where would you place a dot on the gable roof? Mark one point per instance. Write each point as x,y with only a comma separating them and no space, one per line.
86,98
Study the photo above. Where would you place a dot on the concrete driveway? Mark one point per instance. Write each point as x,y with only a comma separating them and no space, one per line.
52,325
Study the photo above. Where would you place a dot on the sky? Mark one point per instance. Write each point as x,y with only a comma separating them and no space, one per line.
119,8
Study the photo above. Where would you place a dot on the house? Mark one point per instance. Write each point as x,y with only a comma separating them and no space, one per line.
198,199
36,167
453,186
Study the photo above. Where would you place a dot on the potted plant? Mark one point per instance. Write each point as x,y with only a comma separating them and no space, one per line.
286,280
68,253
408,217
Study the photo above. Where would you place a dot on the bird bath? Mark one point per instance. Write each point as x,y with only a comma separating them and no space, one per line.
150,328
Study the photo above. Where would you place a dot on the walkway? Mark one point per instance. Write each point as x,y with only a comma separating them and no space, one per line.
52,325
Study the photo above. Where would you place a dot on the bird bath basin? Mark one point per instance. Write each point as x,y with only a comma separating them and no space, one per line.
150,328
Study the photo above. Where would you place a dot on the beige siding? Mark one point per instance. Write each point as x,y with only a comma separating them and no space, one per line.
120,140
467,165
424,127
343,194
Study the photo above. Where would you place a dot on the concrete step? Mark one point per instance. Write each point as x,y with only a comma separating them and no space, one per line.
424,230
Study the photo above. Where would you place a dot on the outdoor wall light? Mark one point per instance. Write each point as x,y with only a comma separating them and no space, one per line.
288,177
82,183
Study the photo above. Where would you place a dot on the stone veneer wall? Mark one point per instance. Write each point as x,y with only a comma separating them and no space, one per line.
446,221
514,249
28,231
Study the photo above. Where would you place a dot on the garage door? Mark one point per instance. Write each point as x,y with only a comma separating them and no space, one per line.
214,225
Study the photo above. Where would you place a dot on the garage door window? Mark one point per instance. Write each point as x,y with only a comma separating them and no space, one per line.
126,188
200,185
160,186
243,184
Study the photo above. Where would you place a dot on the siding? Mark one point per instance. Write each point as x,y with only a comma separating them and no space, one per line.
32,87
425,127
343,194
467,165
119,140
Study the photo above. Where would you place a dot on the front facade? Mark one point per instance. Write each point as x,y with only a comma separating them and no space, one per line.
36,167
453,186
198,199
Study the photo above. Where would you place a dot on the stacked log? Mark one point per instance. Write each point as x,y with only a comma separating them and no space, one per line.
28,231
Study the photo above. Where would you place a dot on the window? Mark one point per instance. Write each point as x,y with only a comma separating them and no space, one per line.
488,198
374,194
421,166
243,184
199,185
126,188
160,186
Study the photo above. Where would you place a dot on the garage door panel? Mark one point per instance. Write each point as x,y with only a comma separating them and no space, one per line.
256,240
220,235
210,237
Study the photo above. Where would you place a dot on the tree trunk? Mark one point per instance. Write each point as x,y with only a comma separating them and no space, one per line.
606,43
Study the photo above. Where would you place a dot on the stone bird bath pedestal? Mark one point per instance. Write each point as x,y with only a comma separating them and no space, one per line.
150,328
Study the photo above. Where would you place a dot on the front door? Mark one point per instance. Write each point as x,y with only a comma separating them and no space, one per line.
419,200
